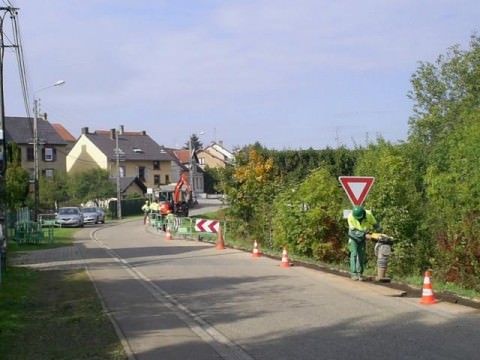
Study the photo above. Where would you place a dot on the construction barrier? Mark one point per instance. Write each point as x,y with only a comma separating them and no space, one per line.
189,227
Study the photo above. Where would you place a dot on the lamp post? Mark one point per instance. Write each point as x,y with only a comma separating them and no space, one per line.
36,169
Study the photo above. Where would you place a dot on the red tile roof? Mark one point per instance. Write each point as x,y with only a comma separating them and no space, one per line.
64,133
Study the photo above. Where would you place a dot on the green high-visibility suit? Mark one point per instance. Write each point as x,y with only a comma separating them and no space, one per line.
357,230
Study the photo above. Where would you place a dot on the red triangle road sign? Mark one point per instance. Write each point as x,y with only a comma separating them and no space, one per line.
356,187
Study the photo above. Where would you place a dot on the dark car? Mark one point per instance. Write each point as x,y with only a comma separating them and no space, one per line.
69,216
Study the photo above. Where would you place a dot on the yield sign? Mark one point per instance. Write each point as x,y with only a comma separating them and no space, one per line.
356,187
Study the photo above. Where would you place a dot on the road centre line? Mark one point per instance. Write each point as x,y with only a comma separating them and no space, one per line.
226,348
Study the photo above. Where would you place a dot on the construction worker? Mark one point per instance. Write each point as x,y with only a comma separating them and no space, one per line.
145,209
361,223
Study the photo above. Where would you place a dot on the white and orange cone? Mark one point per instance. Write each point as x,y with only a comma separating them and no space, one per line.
256,251
427,292
285,262
168,236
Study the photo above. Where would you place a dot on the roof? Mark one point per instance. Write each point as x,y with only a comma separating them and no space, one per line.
126,182
132,145
20,130
64,133
182,155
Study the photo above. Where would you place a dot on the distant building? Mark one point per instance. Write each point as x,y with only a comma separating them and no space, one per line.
140,156
215,156
52,148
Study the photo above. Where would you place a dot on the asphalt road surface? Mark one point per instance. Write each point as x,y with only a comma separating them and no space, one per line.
184,299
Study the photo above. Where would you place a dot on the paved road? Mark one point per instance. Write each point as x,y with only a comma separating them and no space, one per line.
184,299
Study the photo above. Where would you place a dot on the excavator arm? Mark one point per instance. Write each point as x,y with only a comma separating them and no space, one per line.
178,188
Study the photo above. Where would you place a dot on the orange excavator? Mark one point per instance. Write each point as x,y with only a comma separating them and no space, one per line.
181,200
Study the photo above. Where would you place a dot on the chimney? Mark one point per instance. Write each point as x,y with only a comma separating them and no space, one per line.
85,130
44,116
144,132
121,130
112,134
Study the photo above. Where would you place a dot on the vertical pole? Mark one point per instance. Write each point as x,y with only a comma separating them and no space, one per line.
3,162
119,199
36,161
192,173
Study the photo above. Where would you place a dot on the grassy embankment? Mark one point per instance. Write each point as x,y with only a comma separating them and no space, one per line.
53,314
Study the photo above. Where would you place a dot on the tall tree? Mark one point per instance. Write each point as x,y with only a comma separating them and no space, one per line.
193,143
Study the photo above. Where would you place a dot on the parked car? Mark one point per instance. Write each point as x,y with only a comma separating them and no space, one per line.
101,215
90,215
69,216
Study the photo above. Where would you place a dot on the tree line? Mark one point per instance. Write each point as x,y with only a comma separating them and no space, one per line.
426,194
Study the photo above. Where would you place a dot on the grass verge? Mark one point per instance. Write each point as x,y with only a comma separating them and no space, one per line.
53,314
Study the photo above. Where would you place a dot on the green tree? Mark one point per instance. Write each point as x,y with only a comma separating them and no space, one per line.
394,200
193,143
93,184
307,218
54,191
453,189
444,89
16,179
250,193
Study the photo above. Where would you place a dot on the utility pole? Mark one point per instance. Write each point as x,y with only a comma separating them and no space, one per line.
36,170
119,199
3,149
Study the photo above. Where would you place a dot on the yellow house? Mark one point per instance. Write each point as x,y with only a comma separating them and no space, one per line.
215,156
138,154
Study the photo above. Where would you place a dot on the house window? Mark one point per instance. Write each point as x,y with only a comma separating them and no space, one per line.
30,156
156,165
141,173
167,179
49,173
156,179
122,171
201,161
49,154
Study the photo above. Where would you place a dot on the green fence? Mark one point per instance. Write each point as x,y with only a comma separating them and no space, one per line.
130,207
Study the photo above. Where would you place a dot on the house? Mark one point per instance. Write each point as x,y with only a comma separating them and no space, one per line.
215,155
189,160
52,148
130,186
138,156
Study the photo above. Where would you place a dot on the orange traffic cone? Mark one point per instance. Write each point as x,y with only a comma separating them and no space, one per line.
285,262
220,241
256,252
427,292
168,236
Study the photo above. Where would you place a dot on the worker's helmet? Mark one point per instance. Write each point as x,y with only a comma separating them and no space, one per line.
358,212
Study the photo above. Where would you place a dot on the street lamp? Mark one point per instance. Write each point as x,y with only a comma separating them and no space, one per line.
36,176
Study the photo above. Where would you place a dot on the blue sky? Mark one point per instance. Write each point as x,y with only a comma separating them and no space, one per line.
289,74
